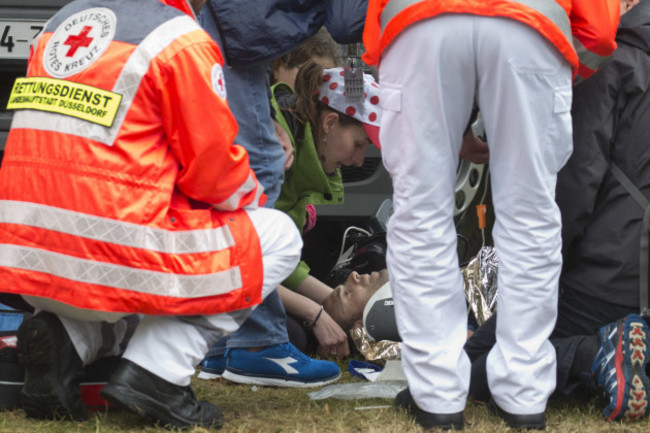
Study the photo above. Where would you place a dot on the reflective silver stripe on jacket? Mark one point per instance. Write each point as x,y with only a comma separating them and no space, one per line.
588,58
115,232
232,202
120,277
126,85
548,8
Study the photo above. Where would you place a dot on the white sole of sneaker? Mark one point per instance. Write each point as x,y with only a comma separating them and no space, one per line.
268,381
207,376
637,403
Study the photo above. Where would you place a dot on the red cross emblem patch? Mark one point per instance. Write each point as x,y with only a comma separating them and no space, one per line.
78,41
218,82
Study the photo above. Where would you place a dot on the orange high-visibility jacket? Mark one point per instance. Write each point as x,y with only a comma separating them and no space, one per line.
121,189
582,30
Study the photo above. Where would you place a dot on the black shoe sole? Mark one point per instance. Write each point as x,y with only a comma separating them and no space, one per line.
129,399
535,421
42,397
453,421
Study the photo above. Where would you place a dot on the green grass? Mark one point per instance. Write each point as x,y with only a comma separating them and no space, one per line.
289,410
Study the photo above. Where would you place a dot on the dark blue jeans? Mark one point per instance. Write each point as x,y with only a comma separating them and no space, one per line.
579,318
248,98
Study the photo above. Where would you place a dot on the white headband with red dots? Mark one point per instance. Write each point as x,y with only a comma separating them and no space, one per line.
366,110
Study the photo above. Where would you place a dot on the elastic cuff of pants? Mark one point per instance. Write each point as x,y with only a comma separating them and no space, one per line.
587,380
168,375
216,353
243,344
444,408
519,410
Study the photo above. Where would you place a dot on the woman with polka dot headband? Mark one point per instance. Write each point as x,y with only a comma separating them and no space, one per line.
331,118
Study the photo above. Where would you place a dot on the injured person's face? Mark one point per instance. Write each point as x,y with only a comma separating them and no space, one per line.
346,303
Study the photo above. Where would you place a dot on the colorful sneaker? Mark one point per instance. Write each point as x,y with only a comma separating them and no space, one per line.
280,365
212,367
619,367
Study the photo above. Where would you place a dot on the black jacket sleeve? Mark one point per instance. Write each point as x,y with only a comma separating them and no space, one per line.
594,115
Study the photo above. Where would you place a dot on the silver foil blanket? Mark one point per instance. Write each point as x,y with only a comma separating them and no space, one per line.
480,277
375,350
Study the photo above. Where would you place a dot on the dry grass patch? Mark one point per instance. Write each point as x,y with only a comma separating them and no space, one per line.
289,410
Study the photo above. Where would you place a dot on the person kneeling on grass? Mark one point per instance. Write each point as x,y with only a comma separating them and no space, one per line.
152,215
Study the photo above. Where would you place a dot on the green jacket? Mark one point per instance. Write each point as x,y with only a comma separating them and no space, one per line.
305,182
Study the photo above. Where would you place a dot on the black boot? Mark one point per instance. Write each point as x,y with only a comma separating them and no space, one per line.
137,390
428,420
53,370
535,421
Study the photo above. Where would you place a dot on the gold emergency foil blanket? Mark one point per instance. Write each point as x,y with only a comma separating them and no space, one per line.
374,350
480,277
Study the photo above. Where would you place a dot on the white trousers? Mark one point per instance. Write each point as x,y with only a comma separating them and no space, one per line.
172,346
430,78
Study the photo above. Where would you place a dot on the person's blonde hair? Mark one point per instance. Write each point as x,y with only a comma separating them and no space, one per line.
321,45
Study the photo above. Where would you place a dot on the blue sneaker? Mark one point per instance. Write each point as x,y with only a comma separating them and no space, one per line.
619,367
212,367
280,365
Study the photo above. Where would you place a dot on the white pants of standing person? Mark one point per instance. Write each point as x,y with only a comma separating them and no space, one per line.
430,78
172,346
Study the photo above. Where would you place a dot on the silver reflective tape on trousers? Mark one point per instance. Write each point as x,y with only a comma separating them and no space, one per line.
114,231
548,8
118,276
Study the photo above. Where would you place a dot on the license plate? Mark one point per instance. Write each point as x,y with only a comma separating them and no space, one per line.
16,36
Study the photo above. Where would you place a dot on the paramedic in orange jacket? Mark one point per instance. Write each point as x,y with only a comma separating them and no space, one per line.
121,192
515,60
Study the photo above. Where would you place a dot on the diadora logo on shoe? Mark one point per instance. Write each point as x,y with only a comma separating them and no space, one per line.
285,363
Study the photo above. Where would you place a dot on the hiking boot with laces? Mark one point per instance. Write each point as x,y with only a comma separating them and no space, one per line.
619,367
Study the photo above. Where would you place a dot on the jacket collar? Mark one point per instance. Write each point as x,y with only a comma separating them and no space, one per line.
634,28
